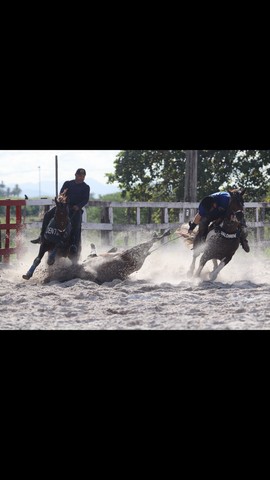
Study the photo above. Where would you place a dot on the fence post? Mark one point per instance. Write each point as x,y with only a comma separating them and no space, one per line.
106,216
7,250
7,238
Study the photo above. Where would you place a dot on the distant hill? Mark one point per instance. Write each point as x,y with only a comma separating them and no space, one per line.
47,189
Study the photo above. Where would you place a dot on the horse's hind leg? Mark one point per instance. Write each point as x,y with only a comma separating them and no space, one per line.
215,263
203,261
196,253
192,266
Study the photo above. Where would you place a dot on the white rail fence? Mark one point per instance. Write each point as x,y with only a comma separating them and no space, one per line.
257,215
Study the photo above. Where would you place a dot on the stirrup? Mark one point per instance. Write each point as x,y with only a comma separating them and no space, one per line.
73,249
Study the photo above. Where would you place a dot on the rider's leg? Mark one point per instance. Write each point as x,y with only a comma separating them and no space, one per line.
200,237
47,217
203,228
76,221
195,222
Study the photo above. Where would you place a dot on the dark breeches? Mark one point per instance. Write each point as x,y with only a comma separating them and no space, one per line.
203,227
76,221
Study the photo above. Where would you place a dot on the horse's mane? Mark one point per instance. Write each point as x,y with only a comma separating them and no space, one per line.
241,191
62,197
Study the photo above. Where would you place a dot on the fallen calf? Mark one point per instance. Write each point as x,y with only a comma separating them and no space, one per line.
108,266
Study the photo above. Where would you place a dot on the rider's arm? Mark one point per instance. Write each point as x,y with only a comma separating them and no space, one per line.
85,197
195,222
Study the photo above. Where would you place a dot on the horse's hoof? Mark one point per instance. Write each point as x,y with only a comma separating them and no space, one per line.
73,249
26,277
51,261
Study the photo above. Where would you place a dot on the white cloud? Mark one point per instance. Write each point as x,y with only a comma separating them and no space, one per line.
22,166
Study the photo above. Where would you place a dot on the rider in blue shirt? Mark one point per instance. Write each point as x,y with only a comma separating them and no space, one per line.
78,193
215,205
211,208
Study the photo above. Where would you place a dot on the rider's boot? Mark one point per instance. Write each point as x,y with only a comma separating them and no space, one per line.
203,230
41,236
37,240
48,216
73,249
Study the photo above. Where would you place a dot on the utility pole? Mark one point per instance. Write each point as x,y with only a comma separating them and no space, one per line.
190,194
39,183
56,175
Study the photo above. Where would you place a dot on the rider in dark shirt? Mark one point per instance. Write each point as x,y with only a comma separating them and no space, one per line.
211,208
78,193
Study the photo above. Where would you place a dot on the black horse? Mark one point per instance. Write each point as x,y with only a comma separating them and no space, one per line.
223,238
58,238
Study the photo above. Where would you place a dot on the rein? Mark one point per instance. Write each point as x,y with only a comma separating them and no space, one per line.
61,217
163,244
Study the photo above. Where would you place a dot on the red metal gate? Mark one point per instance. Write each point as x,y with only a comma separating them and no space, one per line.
7,250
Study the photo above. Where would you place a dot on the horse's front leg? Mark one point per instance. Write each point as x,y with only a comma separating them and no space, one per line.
52,256
213,275
35,263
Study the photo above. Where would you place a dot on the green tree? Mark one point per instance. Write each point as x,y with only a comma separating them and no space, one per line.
159,175
223,169
94,214
145,175
16,191
2,189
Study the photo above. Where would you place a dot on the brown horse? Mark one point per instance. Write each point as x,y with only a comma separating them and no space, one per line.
223,237
57,238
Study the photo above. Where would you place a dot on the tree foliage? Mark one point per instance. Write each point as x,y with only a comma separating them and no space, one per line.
159,175
6,192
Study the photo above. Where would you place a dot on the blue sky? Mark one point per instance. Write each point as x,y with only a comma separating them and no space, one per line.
34,166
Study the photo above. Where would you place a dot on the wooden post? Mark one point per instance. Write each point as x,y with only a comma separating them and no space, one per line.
190,193
7,238
106,236
8,249
56,176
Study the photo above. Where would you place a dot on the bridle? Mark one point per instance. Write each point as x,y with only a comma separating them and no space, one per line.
239,212
61,216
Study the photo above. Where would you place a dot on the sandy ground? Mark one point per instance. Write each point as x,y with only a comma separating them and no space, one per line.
160,296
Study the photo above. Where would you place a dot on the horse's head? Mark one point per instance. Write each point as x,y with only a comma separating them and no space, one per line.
237,201
61,216
232,222
62,197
